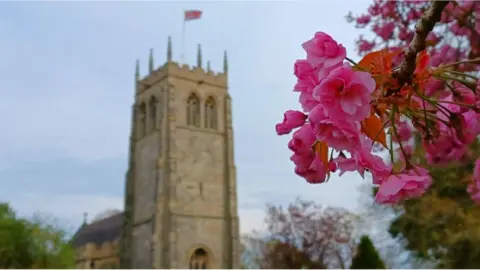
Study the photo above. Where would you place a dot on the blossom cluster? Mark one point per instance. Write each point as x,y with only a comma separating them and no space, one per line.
338,119
457,37
393,23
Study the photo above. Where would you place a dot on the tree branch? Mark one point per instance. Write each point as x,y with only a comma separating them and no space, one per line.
422,29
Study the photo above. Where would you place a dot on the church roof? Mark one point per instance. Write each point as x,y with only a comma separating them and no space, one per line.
101,231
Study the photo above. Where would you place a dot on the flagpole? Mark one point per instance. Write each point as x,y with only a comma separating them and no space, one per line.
182,56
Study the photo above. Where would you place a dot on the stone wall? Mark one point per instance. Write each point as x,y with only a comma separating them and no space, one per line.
104,255
142,246
146,156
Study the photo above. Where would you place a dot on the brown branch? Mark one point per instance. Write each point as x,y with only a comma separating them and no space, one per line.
422,29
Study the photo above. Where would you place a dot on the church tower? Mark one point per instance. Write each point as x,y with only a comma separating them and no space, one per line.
181,202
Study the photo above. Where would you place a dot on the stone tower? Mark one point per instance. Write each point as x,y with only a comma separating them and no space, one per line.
181,202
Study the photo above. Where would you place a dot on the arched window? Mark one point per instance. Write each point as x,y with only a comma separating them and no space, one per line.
142,120
199,259
152,108
193,110
210,113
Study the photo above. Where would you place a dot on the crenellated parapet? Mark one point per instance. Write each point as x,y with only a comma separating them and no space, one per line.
182,71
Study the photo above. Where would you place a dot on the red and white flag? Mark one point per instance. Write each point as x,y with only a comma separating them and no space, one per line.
192,15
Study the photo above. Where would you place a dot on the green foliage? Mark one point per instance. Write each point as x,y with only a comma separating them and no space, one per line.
14,240
367,256
443,225
32,243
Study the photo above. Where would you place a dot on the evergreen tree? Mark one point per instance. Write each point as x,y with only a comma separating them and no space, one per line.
367,256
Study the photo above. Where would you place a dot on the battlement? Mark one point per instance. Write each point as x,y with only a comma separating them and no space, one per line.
185,72
182,71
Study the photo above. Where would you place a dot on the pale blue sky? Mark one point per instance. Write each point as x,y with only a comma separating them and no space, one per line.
67,85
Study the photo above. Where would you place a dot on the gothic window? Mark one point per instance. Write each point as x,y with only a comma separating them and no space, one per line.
193,110
142,120
199,259
210,113
152,108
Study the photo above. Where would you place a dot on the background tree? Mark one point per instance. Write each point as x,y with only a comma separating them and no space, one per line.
33,243
443,224
305,235
14,240
367,256
445,218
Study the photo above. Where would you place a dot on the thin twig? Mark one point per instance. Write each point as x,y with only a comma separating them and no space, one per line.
422,29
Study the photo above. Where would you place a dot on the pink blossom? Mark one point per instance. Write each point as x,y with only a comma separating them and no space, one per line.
375,164
433,85
404,131
315,173
291,120
459,30
304,160
412,183
469,126
445,148
362,159
433,38
364,45
307,163
332,166
310,167
323,51
444,54
476,171
413,15
474,187
339,134
463,94
452,108
364,19
405,34
477,90
307,101
307,76
348,165
346,94
384,31
447,14
302,140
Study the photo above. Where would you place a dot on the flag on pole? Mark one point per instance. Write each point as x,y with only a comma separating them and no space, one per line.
189,15
192,15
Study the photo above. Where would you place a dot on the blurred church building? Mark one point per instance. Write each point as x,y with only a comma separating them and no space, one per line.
180,191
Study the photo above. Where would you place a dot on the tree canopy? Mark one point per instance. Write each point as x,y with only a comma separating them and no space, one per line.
304,235
32,243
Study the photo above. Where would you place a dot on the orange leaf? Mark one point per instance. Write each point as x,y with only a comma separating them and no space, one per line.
422,61
321,149
379,62
373,128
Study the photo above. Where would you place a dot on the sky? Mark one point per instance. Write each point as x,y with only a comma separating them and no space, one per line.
67,76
